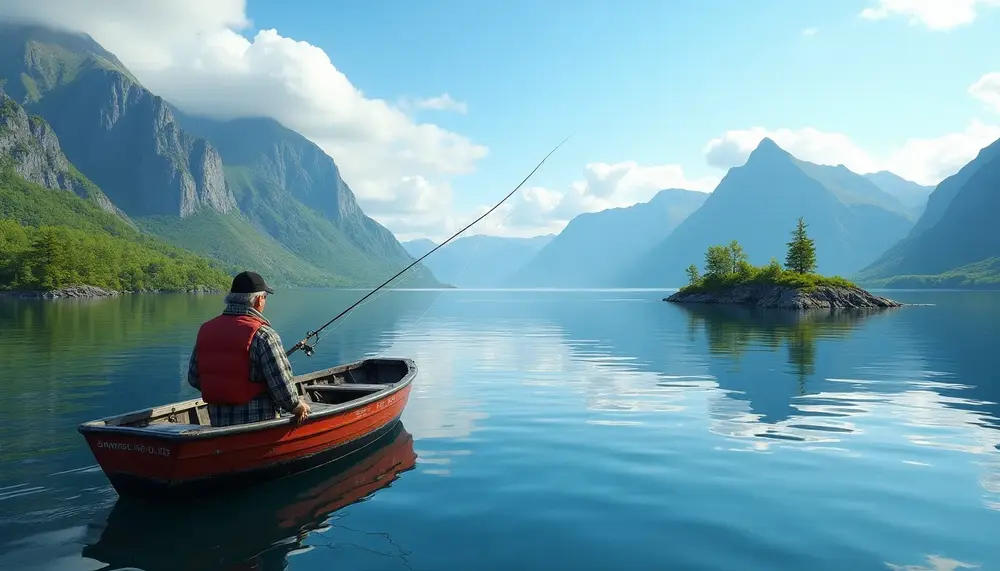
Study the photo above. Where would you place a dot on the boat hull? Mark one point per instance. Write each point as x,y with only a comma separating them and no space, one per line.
171,459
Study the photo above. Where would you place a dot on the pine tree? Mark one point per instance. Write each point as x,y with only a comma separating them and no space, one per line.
801,256
692,272
737,256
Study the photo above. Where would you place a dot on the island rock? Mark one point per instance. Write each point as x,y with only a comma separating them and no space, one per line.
783,297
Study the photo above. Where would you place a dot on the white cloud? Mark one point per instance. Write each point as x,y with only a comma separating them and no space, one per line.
443,102
925,160
934,14
537,210
987,90
189,52
809,32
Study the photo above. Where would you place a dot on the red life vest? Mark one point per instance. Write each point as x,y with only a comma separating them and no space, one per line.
223,353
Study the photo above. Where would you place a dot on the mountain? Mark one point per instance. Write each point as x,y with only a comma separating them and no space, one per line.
912,195
956,242
287,186
277,205
420,246
34,153
851,220
596,246
57,228
477,261
124,138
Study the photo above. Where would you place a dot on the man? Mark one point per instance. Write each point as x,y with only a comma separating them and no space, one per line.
238,362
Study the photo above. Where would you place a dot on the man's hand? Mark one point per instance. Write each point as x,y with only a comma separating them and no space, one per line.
301,411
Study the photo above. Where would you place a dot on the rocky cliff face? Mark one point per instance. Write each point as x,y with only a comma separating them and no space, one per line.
247,193
130,144
36,155
293,190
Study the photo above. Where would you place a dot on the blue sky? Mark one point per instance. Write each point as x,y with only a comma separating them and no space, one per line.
666,93
649,81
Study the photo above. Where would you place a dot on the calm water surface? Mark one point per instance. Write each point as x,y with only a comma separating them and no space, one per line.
546,430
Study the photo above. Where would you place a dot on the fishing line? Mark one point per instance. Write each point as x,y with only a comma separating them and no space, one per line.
409,276
442,292
304,343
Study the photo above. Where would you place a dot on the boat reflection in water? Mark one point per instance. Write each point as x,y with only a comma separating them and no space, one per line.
254,529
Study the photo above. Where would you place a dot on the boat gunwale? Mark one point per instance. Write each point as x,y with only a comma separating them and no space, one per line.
203,432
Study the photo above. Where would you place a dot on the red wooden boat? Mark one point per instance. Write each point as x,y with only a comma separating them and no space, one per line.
172,450
225,532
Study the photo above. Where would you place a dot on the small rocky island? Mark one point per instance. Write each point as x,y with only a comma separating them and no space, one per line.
730,279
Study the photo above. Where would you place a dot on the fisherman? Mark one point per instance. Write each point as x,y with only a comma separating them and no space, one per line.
238,362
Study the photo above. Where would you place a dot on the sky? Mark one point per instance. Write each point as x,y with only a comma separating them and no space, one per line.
435,110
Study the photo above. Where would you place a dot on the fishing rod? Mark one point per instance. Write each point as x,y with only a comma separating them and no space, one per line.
308,349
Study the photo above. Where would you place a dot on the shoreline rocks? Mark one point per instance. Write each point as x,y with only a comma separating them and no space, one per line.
91,292
781,297
78,291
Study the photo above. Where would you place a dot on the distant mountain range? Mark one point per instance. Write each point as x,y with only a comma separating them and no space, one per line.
850,218
913,196
250,193
247,193
596,247
477,261
854,219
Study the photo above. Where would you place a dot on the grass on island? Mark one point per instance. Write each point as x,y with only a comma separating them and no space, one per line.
727,266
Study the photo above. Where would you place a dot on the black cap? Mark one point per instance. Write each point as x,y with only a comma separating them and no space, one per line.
249,282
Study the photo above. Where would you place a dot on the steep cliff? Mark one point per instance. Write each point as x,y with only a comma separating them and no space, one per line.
290,188
124,138
33,149
272,200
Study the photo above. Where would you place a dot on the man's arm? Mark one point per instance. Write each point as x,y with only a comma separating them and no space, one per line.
193,379
274,366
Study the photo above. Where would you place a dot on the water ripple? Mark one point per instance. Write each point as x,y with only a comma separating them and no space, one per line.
584,430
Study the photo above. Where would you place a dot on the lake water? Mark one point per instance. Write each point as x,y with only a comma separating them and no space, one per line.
546,430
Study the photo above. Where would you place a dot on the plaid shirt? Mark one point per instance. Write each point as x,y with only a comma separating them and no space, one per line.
267,361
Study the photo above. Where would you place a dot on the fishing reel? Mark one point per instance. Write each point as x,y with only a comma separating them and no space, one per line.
309,348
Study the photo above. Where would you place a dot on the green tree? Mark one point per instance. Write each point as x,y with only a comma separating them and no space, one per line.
801,256
718,262
738,258
692,272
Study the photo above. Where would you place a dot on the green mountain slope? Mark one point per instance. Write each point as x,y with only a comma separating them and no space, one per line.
956,243
36,155
294,219
758,203
595,247
287,186
234,242
51,238
122,137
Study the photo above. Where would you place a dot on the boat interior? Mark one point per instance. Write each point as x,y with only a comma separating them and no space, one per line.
322,389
